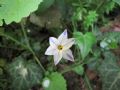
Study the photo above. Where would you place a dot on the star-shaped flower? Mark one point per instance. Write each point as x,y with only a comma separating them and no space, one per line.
60,47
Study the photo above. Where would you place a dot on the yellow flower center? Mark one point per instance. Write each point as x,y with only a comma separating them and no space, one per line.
60,47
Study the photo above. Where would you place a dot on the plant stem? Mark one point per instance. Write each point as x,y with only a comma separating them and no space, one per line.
14,40
37,60
87,82
74,25
30,49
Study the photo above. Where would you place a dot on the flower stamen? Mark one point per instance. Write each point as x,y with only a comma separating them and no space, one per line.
60,47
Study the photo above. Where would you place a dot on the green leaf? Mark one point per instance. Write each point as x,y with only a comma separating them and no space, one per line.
15,10
24,74
90,19
78,15
57,82
85,42
79,70
45,5
110,73
109,6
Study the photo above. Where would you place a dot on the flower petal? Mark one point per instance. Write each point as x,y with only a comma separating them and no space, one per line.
63,36
53,41
57,57
50,50
68,55
68,43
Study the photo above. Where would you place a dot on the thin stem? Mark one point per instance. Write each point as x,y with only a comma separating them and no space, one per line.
25,34
88,82
74,25
30,49
37,60
14,40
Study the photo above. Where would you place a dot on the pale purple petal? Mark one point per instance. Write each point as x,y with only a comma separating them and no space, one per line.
68,55
50,50
53,41
68,43
63,36
57,57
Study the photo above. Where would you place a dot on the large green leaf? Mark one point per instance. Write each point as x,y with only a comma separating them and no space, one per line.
57,82
110,73
15,10
85,42
24,74
45,5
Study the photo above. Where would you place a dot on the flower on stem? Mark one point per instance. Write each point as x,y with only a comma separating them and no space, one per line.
60,47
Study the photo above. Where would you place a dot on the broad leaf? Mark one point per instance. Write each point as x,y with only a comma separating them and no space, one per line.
24,74
57,82
45,5
15,10
110,73
85,42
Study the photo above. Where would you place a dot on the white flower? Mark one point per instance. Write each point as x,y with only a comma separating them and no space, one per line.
60,47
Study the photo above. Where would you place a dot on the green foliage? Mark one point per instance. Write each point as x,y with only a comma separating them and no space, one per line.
110,73
79,69
111,35
51,17
79,13
109,40
90,19
3,83
15,10
24,74
85,42
109,7
105,6
89,11
57,82
45,5
117,1
108,43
